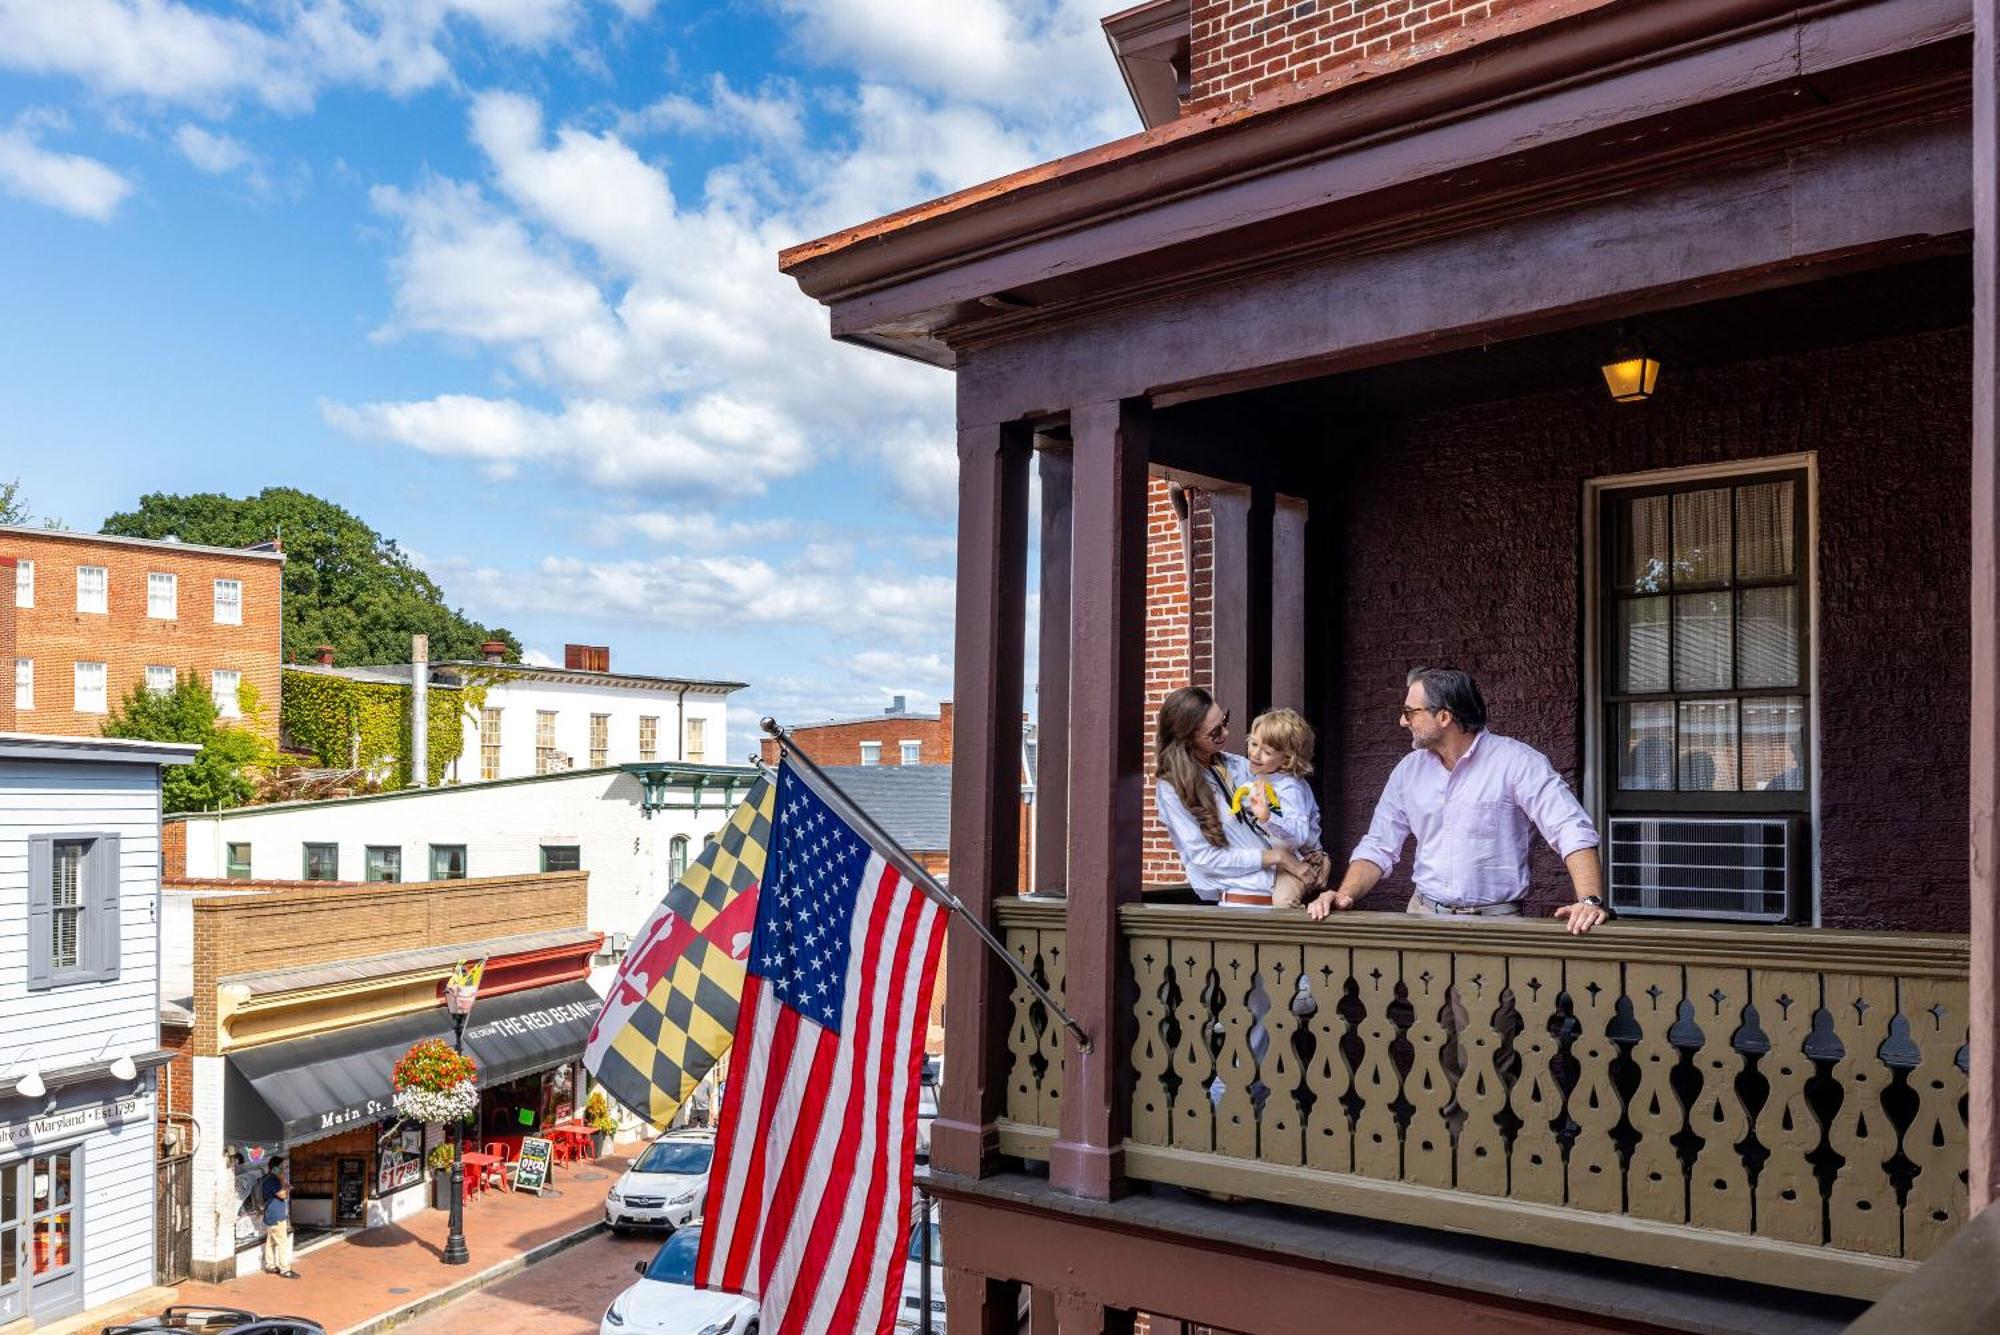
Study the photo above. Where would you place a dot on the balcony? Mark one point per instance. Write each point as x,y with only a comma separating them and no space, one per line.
1779,1105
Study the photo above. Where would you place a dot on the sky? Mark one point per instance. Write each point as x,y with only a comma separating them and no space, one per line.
499,276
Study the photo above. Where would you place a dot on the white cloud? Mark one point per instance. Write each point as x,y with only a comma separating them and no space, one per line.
904,673
216,154
698,528
80,186
536,658
774,117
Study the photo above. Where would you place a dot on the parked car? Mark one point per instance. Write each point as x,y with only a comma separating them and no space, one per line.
665,1301
663,1189
910,1315
217,1321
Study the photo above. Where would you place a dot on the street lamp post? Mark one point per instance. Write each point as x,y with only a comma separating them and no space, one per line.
455,1252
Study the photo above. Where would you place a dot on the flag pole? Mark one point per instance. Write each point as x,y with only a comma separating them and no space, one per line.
928,883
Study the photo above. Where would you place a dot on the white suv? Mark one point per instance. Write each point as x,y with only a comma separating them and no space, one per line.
663,1189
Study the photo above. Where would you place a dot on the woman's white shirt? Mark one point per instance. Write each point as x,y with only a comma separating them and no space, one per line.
1239,863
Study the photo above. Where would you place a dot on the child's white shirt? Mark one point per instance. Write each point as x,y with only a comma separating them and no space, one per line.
1295,823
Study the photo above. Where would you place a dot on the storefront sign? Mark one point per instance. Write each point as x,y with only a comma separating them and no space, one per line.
546,1018
399,1158
532,1170
372,1110
68,1122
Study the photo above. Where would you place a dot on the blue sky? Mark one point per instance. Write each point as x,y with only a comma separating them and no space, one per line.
499,276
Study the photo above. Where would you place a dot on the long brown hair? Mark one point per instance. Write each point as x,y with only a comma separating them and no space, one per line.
1181,717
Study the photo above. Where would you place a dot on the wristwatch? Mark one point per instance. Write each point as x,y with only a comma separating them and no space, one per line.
1597,902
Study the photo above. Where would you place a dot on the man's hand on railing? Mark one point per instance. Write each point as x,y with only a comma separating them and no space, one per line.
1582,916
1326,903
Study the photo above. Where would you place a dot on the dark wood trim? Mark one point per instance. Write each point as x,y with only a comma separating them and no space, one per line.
1984,1127
1235,582
1289,516
979,1303
1051,833
985,781
1107,706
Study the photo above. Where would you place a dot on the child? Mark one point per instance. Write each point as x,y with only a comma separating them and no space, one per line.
1280,755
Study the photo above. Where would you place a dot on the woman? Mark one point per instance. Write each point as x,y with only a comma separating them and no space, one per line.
1227,859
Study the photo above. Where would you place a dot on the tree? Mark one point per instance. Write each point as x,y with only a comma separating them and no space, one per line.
345,584
222,772
13,510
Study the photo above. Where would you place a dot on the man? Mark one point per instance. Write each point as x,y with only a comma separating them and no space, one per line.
275,1190
1469,796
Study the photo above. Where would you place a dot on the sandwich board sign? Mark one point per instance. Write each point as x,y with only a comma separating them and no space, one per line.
531,1170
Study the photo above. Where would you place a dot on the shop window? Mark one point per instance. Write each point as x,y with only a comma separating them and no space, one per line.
447,862
73,924
677,857
237,867
562,857
52,1202
322,862
383,862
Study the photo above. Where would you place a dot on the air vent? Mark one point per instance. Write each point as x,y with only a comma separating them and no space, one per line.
1696,867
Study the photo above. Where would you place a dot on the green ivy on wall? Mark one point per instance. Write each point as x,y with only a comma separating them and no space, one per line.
366,724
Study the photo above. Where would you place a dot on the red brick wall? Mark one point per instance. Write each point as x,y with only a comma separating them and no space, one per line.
1180,623
176,1078
840,743
173,849
1889,421
56,636
7,722
1239,48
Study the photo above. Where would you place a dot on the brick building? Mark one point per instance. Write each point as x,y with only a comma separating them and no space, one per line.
896,736
91,617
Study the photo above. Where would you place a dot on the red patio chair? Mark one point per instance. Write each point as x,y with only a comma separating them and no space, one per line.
504,1152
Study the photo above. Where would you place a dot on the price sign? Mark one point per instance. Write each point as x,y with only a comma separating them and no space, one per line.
531,1171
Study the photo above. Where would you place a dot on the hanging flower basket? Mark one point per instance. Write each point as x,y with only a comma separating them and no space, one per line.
434,1083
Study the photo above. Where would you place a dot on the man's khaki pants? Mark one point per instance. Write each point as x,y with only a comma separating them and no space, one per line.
278,1246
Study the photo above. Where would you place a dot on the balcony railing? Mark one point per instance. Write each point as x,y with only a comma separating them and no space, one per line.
1779,1105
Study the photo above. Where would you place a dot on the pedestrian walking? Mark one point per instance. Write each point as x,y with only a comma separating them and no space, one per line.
275,1190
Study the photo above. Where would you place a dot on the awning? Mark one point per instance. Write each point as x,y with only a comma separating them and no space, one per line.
311,1087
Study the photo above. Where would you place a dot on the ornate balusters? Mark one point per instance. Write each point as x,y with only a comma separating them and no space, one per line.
1482,1095
1377,1152
1236,1062
1536,1168
1718,1183
1427,1139
1861,1209
1655,1187
1329,1135
1788,1195
1935,1141
1024,1041
1053,975
1280,1136
1152,1117
1595,1182
1194,1059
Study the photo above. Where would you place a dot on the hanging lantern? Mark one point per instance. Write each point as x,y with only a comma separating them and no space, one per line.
1630,373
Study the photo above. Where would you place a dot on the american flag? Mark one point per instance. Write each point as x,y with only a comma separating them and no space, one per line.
809,1196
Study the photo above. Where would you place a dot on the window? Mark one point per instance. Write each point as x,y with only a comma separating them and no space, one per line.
24,584
489,743
677,857
545,740
226,685
229,602
160,680
24,683
322,862
237,867
911,752
382,862
871,753
562,857
90,688
649,738
73,923
163,594
697,743
447,862
600,740
90,589
1706,665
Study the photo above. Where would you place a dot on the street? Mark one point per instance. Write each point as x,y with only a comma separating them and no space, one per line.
564,1295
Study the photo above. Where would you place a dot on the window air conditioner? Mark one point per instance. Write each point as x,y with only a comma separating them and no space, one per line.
1750,869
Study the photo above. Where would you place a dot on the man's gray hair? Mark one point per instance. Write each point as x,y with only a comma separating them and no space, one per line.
1451,689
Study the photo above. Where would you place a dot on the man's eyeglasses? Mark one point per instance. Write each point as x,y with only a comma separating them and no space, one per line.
1220,730
1407,710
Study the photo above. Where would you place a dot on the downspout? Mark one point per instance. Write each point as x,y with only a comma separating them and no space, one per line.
680,725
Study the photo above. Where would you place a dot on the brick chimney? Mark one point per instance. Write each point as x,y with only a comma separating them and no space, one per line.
323,655
493,651
587,657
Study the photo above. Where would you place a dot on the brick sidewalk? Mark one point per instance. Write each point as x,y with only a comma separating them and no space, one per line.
365,1276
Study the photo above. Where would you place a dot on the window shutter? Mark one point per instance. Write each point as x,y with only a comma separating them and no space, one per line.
41,875
106,929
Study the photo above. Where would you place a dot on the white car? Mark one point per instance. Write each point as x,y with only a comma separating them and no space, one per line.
665,1301
910,1315
664,1188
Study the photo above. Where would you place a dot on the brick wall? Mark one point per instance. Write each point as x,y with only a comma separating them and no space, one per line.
7,721
840,743
176,1078
1889,421
1180,624
56,636
1239,48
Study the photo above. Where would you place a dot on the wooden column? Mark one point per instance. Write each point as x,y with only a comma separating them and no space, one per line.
1288,605
980,1304
1052,676
1107,708
985,785
1984,1110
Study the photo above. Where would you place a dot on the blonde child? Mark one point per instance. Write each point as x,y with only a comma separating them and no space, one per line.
1280,755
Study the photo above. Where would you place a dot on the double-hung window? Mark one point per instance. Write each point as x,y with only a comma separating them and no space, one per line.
24,683
24,584
911,752
871,753
600,740
226,686
73,924
229,602
90,696
545,740
92,584
697,740
160,680
163,592
489,743
649,737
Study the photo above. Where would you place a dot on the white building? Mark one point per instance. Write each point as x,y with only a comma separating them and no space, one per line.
544,720
79,1008
585,819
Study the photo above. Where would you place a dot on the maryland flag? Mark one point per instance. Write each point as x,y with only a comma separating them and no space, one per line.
672,1008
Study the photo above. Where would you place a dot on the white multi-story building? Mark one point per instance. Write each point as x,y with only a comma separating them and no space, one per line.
79,1010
